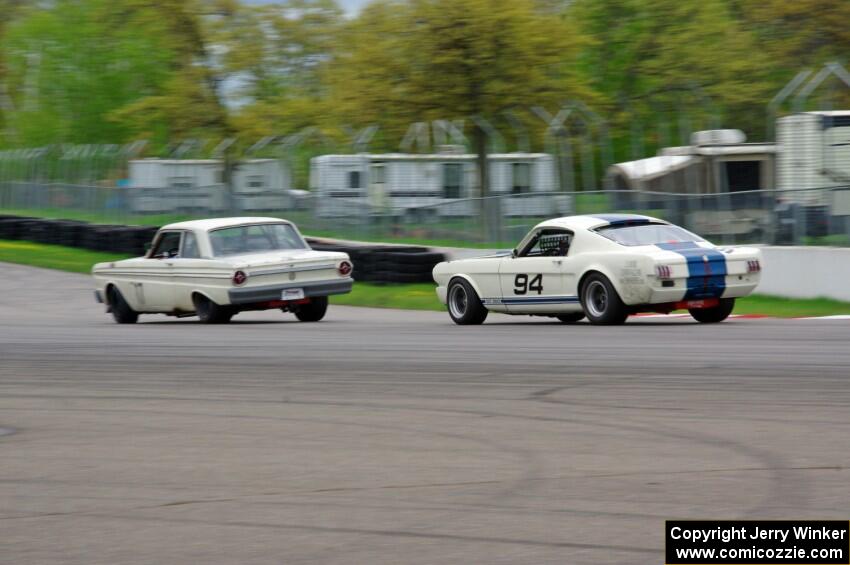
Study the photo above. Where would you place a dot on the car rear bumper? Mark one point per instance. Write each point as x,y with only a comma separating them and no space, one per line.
734,287
270,293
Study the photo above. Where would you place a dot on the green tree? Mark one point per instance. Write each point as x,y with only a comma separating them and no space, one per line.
191,101
273,55
402,62
657,61
69,67
800,33
8,8
98,71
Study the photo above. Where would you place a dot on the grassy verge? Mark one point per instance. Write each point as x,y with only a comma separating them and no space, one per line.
53,256
790,307
403,296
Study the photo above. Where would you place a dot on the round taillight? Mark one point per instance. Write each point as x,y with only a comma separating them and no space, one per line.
239,278
344,268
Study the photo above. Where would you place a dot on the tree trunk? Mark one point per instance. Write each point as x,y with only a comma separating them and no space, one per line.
488,207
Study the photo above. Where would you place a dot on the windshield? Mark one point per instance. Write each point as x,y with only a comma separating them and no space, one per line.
648,234
255,238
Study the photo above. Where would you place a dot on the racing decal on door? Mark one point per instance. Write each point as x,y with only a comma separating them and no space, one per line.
522,284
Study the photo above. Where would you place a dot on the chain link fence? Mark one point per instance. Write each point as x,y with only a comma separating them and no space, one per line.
92,183
769,216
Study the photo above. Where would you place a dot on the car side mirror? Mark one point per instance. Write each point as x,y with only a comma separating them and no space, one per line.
513,253
148,247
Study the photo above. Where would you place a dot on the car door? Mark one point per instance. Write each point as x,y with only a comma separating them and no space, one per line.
154,286
533,278
188,270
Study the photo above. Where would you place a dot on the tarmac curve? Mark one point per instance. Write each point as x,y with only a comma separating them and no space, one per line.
384,436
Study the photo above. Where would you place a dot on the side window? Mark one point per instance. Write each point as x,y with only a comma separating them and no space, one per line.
354,179
256,181
548,243
190,247
452,180
522,178
377,173
181,182
167,245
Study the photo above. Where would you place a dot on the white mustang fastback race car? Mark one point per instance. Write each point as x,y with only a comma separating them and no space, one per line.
217,268
604,267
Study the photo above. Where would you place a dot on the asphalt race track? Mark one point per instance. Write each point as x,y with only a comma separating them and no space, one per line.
380,436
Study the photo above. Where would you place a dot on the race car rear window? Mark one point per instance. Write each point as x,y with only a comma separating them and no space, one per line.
256,238
647,234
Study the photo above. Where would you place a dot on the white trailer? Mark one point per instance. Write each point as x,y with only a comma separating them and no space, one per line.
813,152
443,183
262,185
165,185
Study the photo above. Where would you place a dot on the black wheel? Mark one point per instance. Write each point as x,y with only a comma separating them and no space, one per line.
121,311
716,314
571,318
314,311
601,303
465,306
211,313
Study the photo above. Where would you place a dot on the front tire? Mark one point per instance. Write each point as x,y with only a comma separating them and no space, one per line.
211,313
602,305
314,311
464,305
121,311
716,314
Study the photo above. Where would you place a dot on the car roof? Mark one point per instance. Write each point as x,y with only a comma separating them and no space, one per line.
593,221
216,223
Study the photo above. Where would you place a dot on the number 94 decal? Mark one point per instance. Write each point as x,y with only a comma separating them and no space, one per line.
524,285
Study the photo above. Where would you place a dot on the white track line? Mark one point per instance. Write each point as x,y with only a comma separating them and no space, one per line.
745,316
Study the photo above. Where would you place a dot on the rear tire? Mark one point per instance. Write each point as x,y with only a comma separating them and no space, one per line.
314,311
121,311
571,318
211,313
602,305
464,305
716,314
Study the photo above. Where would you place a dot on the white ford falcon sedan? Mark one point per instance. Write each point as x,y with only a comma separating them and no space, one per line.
217,268
603,267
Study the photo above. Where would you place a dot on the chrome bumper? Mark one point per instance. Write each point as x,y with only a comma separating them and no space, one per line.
270,293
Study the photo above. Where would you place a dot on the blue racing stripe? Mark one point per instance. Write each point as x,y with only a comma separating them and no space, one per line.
706,269
622,219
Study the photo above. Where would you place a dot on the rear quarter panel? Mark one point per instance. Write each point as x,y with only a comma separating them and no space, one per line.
627,272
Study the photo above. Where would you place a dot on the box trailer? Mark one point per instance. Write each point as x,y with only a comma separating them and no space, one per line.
442,184
813,152
166,185
262,185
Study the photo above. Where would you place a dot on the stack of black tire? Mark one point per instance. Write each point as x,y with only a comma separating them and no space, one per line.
13,227
372,263
129,240
386,263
